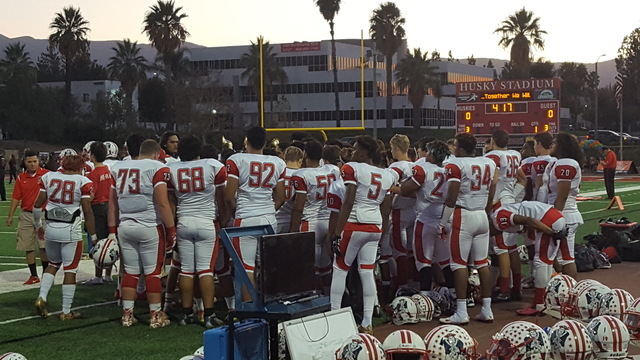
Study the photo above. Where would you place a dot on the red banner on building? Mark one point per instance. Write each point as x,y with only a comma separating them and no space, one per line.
300,46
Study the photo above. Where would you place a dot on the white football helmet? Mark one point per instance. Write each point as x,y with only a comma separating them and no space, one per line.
405,311
615,303
557,292
584,301
404,342
570,341
426,307
523,253
361,347
447,342
199,352
112,149
632,320
105,253
67,152
441,304
519,340
12,356
87,147
448,297
609,336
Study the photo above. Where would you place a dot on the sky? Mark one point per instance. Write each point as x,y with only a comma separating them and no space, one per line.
576,31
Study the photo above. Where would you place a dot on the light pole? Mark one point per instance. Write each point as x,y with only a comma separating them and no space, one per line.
373,54
596,109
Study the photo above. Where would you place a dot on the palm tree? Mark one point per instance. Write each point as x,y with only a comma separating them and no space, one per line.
387,31
163,25
16,63
70,38
329,9
128,67
521,31
272,71
179,64
415,73
438,94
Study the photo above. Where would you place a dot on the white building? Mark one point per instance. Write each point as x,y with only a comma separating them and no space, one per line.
85,92
309,94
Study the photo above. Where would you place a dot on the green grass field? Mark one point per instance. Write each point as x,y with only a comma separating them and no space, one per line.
99,333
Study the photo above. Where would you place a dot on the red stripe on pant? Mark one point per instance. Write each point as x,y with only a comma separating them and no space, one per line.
153,280
76,257
417,238
396,234
543,252
455,238
236,245
501,244
349,228
304,226
564,250
551,216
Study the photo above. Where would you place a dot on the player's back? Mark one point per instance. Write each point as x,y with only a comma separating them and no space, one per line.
565,170
404,169
257,177
335,195
283,215
433,189
65,191
540,164
134,182
527,166
315,183
475,175
372,184
110,162
507,163
194,184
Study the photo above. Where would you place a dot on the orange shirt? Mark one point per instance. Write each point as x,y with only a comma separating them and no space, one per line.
610,160
101,177
27,188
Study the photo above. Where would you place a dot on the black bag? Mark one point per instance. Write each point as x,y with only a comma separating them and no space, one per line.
630,251
619,239
596,240
584,258
600,260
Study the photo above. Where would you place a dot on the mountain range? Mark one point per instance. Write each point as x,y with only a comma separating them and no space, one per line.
101,51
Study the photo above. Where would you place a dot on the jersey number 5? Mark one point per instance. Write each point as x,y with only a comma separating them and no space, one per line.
376,186
256,172
62,191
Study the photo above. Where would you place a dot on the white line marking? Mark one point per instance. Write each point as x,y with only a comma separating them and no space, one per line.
594,211
12,264
11,257
603,192
55,313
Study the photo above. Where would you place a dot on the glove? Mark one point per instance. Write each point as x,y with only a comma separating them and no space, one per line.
560,234
442,232
94,239
170,238
335,244
112,236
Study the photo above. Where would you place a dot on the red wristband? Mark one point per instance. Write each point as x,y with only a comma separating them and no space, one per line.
113,229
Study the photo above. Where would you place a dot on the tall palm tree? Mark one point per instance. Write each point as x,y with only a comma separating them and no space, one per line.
16,63
415,73
127,66
70,38
436,87
163,25
273,73
329,9
387,31
521,31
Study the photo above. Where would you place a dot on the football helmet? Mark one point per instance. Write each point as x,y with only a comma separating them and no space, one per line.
361,347
67,152
404,342
584,301
112,149
199,352
557,292
105,253
519,340
632,319
570,341
447,342
615,303
87,147
609,336
405,311
12,356
523,253
438,301
448,297
426,307
406,291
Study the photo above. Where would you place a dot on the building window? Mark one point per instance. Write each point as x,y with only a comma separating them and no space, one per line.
86,97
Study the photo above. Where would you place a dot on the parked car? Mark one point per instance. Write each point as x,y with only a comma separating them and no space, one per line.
609,137
630,138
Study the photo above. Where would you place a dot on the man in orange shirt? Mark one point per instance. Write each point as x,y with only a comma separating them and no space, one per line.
24,194
609,165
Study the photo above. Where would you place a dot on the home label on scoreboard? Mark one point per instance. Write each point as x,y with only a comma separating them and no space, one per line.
517,106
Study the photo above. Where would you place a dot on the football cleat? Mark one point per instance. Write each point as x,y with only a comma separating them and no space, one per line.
127,318
69,316
42,308
158,319
212,321
187,319
365,329
32,280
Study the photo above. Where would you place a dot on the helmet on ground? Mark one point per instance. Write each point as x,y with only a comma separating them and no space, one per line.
426,307
406,291
609,336
404,342
449,298
519,340
569,307
361,347
199,352
523,253
112,149
585,305
615,303
447,342
405,311
632,319
570,341
440,303
12,356
87,147
67,152
557,292
105,253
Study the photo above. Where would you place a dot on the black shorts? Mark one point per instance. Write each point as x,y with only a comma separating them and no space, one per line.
100,216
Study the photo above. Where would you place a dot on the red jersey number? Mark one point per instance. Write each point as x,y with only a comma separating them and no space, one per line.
260,174
191,179
62,191
130,177
438,179
480,177
288,188
376,186
512,167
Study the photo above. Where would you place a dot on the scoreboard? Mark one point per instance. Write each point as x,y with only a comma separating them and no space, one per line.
518,106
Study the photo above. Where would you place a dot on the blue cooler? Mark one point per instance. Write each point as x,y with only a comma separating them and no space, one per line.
250,339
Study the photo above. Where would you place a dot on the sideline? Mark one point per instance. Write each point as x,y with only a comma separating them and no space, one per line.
56,312
604,192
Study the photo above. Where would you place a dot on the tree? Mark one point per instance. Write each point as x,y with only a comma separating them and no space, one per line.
50,66
128,67
507,71
435,55
69,37
438,94
472,60
152,101
329,9
388,33
542,69
521,31
272,71
415,73
179,65
573,88
628,65
17,66
450,57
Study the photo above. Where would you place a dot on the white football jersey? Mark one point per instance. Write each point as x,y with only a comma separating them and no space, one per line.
372,184
503,216
527,166
315,183
507,163
110,162
257,177
134,182
475,175
538,170
566,170
448,159
195,184
335,196
404,170
433,189
284,213
65,191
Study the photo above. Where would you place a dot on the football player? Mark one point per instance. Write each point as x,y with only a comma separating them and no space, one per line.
68,196
258,182
542,147
293,157
365,212
471,187
169,143
198,187
138,209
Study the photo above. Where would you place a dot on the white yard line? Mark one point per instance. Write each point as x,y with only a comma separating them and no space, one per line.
604,192
55,313
595,211
12,264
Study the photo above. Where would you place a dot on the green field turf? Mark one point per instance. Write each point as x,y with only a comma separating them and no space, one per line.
99,334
